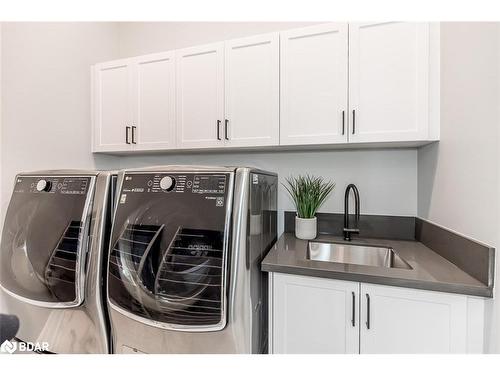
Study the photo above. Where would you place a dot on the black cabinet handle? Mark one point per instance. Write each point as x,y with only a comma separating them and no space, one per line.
343,122
218,131
367,311
353,318
226,121
353,121
127,129
133,134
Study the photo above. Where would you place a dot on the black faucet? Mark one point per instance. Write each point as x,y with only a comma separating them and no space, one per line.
347,230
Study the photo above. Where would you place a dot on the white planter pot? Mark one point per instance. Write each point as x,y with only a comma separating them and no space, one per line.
305,229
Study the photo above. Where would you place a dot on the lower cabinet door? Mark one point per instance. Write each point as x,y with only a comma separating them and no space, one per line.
402,320
314,315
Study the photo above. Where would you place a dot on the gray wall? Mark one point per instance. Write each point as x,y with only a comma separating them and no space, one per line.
46,96
139,38
458,177
1,146
386,178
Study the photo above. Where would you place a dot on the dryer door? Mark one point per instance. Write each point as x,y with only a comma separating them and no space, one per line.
44,239
169,253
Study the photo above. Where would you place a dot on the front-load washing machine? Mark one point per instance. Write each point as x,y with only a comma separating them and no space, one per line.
184,262
52,257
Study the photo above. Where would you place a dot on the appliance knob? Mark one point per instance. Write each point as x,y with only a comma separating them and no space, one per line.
167,183
43,185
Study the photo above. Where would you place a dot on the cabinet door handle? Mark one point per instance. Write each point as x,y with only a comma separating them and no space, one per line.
218,131
353,121
353,318
367,311
127,129
226,121
343,122
133,134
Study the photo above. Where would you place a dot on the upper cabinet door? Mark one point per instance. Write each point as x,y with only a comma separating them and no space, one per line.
112,117
314,316
389,81
314,85
252,91
200,96
154,96
407,321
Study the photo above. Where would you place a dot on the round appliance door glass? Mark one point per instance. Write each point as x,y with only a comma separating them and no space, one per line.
168,257
42,239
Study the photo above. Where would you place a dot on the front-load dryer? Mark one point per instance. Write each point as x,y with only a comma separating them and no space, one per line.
184,262
52,257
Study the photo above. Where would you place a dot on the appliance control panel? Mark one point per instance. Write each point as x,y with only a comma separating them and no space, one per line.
70,185
196,183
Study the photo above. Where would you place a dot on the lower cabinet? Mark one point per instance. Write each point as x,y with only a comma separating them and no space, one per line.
312,315
317,315
402,320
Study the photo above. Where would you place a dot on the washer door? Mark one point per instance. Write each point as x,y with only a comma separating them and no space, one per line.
168,259
44,239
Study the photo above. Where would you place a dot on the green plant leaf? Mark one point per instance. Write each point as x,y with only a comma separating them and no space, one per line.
308,193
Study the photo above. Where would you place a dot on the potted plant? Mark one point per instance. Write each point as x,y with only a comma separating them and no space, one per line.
308,194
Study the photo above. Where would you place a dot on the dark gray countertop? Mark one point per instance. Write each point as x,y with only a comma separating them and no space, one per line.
429,270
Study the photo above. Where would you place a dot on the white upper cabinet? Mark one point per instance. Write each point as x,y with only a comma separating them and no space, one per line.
399,320
327,84
200,96
154,106
314,316
134,104
112,113
389,82
252,91
314,85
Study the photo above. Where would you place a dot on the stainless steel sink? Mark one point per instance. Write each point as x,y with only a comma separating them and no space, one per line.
366,255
